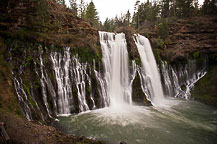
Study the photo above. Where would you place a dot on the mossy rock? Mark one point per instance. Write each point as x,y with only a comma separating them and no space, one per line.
205,89
138,96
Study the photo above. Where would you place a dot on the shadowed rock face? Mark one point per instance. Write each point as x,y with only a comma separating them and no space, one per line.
138,96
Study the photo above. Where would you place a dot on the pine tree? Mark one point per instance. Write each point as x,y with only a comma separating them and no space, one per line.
184,8
165,8
109,25
209,7
136,14
91,15
128,18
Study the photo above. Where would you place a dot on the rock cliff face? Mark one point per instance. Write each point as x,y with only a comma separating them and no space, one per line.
190,39
35,37
186,36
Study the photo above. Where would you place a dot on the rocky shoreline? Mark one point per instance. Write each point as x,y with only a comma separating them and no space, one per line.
22,131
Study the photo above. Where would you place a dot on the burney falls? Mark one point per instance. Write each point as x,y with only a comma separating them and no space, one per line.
108,72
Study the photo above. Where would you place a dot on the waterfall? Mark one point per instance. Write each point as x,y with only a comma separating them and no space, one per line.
149,72
116,68
61,84
61,70
68,71
23,99
179,80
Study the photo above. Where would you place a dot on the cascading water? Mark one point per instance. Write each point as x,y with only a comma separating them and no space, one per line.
62,85
150,74
116,75
23,100
68,71
178,81
138,124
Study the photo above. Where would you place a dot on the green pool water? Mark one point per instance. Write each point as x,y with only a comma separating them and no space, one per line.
185,122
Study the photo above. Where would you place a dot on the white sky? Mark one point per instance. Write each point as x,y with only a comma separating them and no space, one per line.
111,8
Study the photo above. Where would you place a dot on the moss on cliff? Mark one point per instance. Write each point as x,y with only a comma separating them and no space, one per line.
205,89
8,99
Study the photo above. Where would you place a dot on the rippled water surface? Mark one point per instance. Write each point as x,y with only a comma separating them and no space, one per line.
186,122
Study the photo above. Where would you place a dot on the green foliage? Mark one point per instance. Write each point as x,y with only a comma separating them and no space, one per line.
159,42
91,15
146,11
179,8
138,61
209,7
157,56
165,8
109,25
163,30
36,84
26,89
196,54
205,88
23,35
152,12
84,54
18,112
128,18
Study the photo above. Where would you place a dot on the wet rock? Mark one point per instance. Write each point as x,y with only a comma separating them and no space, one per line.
138,95
122,142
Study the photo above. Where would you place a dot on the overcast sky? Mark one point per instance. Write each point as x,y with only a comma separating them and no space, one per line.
111,8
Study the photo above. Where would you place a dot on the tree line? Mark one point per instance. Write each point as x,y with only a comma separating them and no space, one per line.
148,12
86,11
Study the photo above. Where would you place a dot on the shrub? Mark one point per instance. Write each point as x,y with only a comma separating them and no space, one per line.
163,30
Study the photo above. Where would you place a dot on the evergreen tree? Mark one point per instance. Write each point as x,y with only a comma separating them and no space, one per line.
146,12
109,25
128,18
91,15
165,8
209,7
173,8
136,15
184,8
